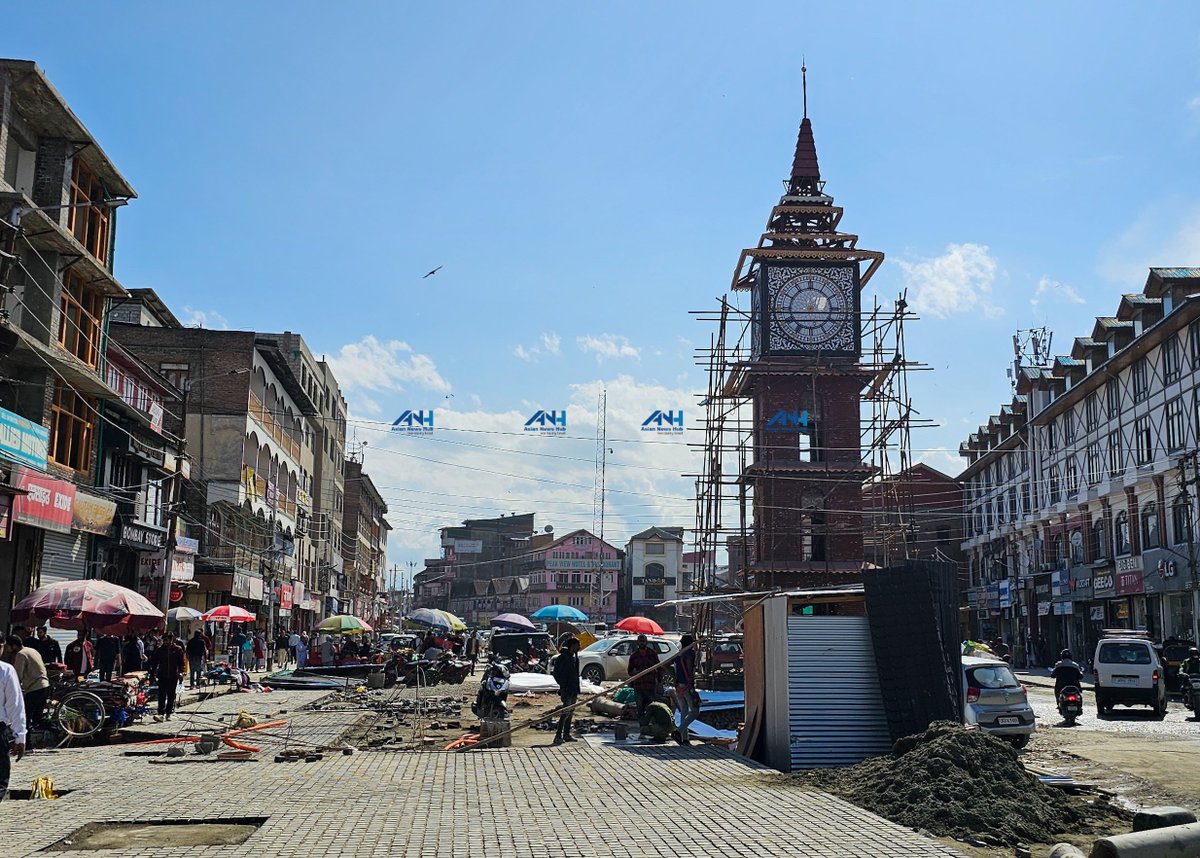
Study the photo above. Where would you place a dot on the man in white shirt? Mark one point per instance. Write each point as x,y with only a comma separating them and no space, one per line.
12,722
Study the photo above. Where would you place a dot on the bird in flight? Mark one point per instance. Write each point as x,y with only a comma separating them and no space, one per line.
433,272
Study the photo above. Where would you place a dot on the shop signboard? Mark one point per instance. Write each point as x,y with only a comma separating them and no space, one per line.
1043,608
1004,589
468,546
186,545
5,515
285,597
22,440
183,567
1060,582
1081,584
1164,571
1104,585
241,585
1097,614
1064,608
1129,583
142,537
1129,564
92,514
46,503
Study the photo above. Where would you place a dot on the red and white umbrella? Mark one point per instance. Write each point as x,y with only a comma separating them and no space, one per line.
229,614
92,604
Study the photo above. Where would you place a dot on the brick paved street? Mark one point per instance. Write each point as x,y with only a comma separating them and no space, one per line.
701,801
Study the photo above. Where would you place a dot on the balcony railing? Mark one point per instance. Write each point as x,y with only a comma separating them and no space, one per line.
273,427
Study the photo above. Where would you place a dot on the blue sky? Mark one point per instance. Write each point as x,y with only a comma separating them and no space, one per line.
588,175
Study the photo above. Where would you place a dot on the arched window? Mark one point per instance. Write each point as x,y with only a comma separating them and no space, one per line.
1121,534
1099,543
1150,526
1076,546
654,582
1181,520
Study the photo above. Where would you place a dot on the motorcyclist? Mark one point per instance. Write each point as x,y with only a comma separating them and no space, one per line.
1067,673
1190,667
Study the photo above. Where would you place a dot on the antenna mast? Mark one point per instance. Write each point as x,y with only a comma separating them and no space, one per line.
1031,347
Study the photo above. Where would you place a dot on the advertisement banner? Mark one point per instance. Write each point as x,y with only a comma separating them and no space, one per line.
285,597
22,440
468,546
92,514
1005,590
48,503
183,567
1129,583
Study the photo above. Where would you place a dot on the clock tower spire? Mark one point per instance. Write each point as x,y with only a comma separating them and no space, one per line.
804,380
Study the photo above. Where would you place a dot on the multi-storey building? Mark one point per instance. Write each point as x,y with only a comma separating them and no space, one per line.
251,445
1080,492
653,570
580,570
59,194
364,546
327,500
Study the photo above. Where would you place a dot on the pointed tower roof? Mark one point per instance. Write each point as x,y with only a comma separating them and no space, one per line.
804,165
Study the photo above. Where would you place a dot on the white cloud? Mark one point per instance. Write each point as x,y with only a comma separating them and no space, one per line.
373,365
959,281
1164,235
1052,290
607,346
210,319
1194,102
550,343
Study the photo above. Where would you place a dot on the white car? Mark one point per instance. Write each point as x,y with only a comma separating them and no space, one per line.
995,701
1128,671
608,658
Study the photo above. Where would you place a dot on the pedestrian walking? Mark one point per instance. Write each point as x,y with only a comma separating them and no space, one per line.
566,674
108,653
236,643
282,649
197,653
79,657
48,647
299,648
473,649
12,722
31,676
645,687
686,697
260,651
133,654
167,669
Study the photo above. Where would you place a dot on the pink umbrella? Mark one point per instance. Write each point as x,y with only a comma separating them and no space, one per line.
91,604
228,614
639,626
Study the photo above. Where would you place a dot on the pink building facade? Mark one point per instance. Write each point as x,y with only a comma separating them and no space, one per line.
580,570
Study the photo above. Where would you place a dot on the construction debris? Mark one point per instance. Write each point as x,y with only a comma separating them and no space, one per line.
966,784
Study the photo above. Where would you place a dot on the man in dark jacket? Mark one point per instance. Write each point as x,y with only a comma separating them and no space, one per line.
108,652
167,669
566,674
48,647
644,658
197,652
79,657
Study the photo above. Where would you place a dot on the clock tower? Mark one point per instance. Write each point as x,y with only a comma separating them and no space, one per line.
804,382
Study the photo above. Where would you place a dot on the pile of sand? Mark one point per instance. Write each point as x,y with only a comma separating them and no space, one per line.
955,782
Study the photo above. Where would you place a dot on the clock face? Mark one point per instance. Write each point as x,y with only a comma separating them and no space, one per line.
812,309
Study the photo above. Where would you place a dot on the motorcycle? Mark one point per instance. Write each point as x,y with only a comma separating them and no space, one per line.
490,703
1189,690
449,669
1070,704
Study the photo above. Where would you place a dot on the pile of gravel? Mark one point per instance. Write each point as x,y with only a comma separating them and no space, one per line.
955,782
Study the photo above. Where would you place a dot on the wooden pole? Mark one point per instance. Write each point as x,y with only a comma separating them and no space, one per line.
562,709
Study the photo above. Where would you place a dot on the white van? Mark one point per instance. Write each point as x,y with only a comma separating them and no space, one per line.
1128,671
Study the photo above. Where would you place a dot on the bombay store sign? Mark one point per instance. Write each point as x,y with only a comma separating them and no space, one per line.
143,537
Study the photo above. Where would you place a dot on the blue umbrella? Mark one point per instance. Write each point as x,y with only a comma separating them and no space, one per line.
559,612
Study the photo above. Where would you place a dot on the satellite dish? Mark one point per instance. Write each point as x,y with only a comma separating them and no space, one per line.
549,528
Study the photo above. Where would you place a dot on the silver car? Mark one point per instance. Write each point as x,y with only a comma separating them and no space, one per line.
995,701
608,658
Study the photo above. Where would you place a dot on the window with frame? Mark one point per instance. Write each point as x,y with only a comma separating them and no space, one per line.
1099,540
1068,427
656,548
1141,386
1169,352
1077,545
1181,520
1143,440
88,218
1072,477
1091,410
1121,534
82,309
1194,343
1112,398
1055,486
1024,498
1094,472
1150,525
71,429
1048,437
1116,453
1176,426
